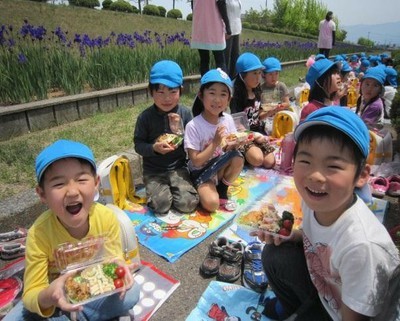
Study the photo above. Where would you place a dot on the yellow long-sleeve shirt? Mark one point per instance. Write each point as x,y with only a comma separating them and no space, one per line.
44,237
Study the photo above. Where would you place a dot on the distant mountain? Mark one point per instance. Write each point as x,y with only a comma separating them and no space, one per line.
383,34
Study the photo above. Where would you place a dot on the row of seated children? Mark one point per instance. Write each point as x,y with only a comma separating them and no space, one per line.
212,166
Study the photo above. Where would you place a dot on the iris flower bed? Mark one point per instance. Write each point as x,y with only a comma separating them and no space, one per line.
35,62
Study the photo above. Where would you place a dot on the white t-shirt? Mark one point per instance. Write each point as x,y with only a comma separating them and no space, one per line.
199,133
350,261
234,10
325,37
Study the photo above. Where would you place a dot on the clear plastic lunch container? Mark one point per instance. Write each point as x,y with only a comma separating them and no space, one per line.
267,218
91,273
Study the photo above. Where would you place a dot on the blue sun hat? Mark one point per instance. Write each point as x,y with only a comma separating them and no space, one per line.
365,63
319,56
391,76
342,119
62,149
272,64
354,58
376,73
167,73
247,62
346,67
217,75
317,69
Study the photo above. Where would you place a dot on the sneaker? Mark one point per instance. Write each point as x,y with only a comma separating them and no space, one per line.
253,273
231,267
212,261
379,186
394,186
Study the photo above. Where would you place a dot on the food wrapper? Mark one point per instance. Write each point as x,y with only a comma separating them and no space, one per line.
172,139
238,137
268,219
92,282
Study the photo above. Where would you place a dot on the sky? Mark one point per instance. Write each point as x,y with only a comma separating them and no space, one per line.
349,12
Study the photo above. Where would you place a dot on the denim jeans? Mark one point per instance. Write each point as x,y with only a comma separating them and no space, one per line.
98,310
287,272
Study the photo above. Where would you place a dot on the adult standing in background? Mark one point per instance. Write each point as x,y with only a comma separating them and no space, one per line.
234,10
327,31
210,24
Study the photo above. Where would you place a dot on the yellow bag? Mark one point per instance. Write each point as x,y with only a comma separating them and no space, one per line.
116,183
284,122
380,147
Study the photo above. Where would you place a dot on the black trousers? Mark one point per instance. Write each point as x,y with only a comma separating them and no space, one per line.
219,58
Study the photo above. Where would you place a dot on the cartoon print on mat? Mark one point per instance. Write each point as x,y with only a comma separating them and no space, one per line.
219,314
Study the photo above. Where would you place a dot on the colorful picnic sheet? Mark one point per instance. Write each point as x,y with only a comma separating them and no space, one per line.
224,301
172,235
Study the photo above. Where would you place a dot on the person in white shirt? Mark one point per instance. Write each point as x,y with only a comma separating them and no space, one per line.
234,10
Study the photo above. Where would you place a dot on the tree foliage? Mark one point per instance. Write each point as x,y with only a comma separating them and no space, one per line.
365,42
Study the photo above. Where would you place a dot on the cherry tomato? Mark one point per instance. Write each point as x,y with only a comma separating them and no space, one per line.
120,272
287,224
118,283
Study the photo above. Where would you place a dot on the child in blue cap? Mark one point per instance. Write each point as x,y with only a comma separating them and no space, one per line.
158,139
67,184
338,265
247,98
325,81
370,105
274,90
214,162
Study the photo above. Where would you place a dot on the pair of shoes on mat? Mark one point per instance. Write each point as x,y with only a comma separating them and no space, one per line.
224,259
382,186
253,276
18,233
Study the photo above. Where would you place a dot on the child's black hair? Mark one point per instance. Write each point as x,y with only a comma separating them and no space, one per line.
239,98
80,160
319,90
359,100
335,136
157,87
198,105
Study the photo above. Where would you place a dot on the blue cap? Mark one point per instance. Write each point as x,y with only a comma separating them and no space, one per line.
167,73
342,119
365,63
59,150
346,67
354,58
319,56
272,64
247,62
317,70
376,73
391,76
217,75
338,58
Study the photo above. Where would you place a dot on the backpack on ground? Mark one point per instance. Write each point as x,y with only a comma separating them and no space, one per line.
129,240
284,122
116,183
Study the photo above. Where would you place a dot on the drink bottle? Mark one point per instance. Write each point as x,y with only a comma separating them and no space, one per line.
287,150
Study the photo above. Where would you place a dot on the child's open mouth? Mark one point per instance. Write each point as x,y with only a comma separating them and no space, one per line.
74,209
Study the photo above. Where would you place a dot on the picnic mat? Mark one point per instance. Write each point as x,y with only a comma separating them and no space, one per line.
155,288
225,301
172,235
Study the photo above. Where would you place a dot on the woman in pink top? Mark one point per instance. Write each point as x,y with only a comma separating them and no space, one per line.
210,24
324,80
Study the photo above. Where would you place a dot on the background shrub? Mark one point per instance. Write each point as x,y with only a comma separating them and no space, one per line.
162,10
174,14
106,4
85,3
189,17
122,6
151,10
